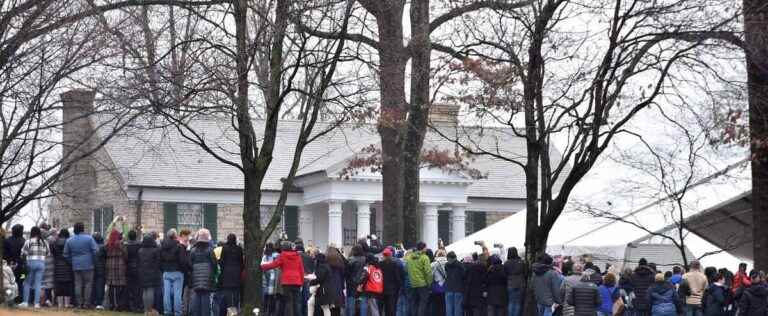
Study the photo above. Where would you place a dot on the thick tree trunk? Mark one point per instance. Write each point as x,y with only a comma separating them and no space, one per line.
254,247
756,29
392,118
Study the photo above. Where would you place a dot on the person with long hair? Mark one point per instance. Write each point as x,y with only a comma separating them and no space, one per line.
232,263
35,249
63,278
116,271
338,268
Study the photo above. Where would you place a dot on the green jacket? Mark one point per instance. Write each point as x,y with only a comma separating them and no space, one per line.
419,269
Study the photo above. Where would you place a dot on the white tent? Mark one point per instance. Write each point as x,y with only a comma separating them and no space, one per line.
576,232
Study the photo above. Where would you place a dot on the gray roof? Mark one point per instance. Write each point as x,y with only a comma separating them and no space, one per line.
162,157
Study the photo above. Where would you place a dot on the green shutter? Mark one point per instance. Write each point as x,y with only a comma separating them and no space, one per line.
107,216
210,217
291,221
97,227
170,216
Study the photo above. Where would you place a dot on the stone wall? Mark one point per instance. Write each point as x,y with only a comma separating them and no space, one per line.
495,217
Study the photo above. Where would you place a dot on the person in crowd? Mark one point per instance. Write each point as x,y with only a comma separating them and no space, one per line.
116,272
515,269
754,298
231,262
150,277
10,288
677,275
741,279
496,287
203,266
270,281
609,294
338,265
474,301
546,286
420,274
49,283
354,277
569,282
184,236
173,263
403,300
12,255
34,250
662,297
133,289
393,280
454,286
63,277
292,275
696,283
642,279
326,293
99,273
308,261
81,249
584,296
372,287
714,299
437,295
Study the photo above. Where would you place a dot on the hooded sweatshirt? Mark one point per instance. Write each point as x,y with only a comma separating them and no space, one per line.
753,301
662,299
642,279
546,285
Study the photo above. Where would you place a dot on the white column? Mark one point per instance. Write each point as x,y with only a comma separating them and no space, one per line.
307,225
363,218
335,229
429,226
458,221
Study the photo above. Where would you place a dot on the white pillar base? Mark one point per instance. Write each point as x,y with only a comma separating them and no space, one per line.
429,225
458,222
363,218
335,226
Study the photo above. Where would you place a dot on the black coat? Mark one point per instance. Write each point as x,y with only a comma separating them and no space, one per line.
585,299
393,276
12,251
100,263
203,263
454,276
515,269
132,259
328,292
642,279
355,267
714,300
496,286
473,286
231,264
62,268
173,256
753,301
149,264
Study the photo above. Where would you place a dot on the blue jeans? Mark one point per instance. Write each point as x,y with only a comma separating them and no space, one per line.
350,305
173,286
35,271
200,304
97,296
693,310
402,303
453,304
419,299
513,309
544,310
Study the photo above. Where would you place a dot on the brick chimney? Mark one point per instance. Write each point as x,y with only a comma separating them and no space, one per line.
444,114
79,181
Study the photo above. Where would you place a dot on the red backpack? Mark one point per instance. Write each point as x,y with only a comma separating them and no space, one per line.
375,282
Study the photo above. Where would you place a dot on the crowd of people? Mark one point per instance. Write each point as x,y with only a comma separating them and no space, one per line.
187,273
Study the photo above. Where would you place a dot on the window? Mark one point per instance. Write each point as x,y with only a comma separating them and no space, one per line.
189,216
444,226
101,218
475,221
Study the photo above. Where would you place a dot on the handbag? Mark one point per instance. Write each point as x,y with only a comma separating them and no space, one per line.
618,307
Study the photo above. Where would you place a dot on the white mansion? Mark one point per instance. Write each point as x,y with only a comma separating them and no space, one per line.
157,179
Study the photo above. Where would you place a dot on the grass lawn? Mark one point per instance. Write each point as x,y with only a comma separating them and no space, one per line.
63,312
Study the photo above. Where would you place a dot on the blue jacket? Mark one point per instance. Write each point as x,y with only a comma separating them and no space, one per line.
81,250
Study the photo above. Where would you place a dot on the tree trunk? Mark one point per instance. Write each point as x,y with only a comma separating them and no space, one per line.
2,275
254,248
392,55
756,30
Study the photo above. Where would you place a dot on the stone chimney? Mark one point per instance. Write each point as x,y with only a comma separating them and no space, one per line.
444,114
79,181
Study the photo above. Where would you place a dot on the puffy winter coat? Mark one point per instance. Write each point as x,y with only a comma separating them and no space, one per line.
496,285
585,299
753,300
642,279
419,269
149,264
132,258
714,300
663,299
231,264
515,269
608,295
203,264
546,285
62,269
291,266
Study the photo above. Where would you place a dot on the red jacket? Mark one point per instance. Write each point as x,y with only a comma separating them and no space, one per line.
740,280
291,268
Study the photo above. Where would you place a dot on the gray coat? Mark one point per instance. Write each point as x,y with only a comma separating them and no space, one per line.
546,285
